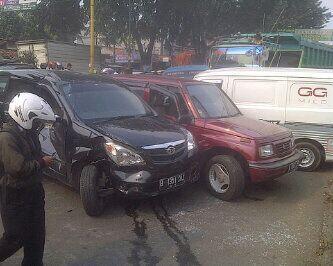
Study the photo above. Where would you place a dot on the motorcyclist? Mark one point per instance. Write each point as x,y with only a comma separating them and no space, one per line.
21,164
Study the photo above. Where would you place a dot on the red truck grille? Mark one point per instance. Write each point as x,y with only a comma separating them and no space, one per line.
282,149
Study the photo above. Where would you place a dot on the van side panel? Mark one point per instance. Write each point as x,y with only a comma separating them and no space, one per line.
309,101
319,133
261,98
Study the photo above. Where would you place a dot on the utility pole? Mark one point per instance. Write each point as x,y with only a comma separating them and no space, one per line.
92,37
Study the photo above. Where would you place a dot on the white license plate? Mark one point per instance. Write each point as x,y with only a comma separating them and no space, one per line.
172,182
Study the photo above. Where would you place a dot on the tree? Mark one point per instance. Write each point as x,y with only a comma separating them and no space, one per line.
195,22
61,19
28,57
52,19
144,21
17,26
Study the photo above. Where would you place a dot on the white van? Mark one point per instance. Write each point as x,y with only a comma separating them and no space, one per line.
300,99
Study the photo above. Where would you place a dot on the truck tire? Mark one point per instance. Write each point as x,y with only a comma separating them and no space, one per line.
92,203
224,177
313,157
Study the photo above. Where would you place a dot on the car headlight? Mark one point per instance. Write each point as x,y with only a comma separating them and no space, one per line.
190,143
266,150
123,156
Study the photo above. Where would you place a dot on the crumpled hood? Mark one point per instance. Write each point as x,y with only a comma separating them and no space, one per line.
247,127
140,132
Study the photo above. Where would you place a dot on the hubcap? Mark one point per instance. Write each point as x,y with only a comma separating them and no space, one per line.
219,178
309,158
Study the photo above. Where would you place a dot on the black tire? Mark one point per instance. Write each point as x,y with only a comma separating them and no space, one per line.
92,203
309,149
236,177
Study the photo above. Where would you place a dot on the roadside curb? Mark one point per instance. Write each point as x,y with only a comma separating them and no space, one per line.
326,240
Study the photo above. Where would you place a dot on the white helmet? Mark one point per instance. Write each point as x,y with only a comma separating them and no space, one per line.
26,107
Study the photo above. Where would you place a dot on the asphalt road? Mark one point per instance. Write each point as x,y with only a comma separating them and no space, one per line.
278,223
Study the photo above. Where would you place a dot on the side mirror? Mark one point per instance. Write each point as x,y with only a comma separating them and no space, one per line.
166,101
60,120
185,119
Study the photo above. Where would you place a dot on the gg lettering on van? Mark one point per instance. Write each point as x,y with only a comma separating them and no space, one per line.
313,95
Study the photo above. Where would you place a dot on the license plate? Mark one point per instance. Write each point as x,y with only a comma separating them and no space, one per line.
293,167
172,182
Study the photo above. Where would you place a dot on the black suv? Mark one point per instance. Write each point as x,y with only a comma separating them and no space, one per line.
105,139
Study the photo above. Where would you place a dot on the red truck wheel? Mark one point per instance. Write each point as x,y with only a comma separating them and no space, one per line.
224,177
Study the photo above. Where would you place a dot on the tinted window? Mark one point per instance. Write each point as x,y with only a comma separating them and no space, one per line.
211,102
93,101
163,103
183,110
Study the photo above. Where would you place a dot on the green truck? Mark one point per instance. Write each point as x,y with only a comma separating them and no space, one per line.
271,50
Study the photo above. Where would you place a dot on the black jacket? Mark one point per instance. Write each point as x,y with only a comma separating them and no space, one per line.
20,157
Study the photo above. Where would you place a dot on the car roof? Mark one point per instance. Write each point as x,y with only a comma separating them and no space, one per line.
170,80
56,75
268,72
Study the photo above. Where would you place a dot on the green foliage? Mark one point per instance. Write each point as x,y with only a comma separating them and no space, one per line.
52,19
194,22
61,19
28,57
16,26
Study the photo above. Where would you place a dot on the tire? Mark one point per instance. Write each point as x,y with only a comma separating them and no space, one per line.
313,155
233,175
92,203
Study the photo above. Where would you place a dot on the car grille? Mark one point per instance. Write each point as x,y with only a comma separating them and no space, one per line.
284,148
161,156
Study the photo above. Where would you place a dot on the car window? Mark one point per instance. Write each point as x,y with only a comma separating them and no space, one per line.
183,109
211,102
163,103
98,101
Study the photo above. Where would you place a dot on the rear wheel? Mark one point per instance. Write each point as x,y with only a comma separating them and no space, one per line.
224,177
93,204
313,157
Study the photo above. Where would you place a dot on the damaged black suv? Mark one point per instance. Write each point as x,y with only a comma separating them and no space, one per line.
105,139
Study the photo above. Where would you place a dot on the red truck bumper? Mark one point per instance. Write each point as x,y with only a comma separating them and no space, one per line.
260,172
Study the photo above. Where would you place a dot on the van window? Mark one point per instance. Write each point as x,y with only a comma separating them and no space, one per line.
311,95
254,91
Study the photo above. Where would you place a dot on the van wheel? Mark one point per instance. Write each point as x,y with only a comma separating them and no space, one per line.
313,157
93,204
224,177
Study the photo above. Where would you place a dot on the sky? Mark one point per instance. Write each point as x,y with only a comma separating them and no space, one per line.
329,4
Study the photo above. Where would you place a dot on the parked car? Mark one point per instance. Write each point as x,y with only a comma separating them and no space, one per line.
106,139
188,71
233,148
299,99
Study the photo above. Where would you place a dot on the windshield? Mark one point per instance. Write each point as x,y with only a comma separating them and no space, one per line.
237,56
102,101
211,102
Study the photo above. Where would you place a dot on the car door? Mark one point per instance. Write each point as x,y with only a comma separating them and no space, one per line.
54,140
4,80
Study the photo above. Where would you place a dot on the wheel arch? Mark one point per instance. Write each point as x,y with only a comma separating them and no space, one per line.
314,142
77,167
226,151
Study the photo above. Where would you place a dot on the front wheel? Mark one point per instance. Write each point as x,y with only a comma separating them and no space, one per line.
312,156
93,204
224,177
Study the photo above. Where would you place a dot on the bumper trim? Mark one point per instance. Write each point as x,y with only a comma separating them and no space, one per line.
280,164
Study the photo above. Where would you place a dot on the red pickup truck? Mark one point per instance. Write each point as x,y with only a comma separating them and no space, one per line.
233,148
